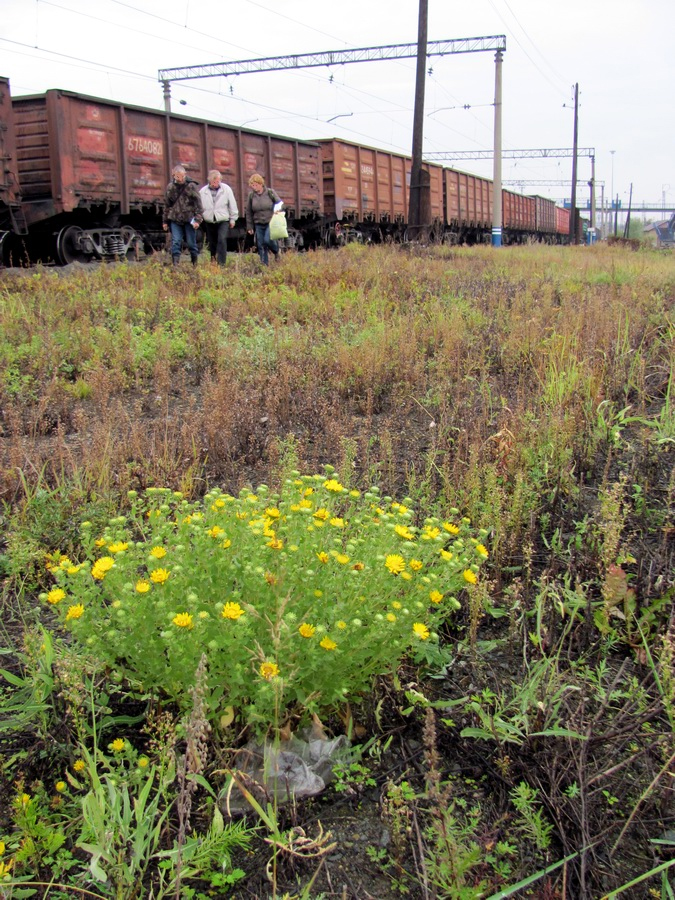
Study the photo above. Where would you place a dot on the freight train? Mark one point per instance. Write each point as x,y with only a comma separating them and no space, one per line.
84,179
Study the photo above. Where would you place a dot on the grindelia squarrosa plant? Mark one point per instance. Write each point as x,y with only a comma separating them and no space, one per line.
298,598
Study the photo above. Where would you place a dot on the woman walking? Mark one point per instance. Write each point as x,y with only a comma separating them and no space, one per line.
259,210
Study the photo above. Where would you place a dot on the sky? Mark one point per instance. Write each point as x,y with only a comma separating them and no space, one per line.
620,54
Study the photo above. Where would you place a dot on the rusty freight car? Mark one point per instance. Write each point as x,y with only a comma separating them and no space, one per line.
468,207
366,192
11,218
93,172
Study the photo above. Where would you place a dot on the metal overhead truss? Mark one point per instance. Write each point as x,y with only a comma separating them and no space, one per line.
333,58
542,153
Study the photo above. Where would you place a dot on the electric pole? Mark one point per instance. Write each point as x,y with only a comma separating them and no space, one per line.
573,210
416,185
497,163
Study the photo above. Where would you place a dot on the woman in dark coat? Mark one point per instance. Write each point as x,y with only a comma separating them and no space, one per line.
259,209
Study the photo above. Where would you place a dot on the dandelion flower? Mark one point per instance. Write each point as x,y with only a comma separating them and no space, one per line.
396,604
60,787
430,532
143,762
101,566
74,612
404,532
470,576
218,504
482,551
79,765
307,630
391,617
446,554
337,522
395,563
359,566
183,620
341,625
272,512
421,631
342,558
435,596
323,556
232,611
99,542
450,528
142,587
226,543
159,576
322,514
333,485
118,547
117,745
276,544
327,644
269,670
215,532
416,564
271,578
158,552
56,595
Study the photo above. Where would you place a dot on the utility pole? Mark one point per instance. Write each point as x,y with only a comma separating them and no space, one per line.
626,229
416,187
573,210
497,165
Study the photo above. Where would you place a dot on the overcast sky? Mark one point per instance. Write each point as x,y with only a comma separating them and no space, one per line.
620,53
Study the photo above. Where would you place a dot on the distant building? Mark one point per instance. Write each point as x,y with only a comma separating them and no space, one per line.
664,232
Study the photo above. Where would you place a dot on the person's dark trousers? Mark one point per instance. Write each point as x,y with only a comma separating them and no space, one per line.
180,232
216,237
265,243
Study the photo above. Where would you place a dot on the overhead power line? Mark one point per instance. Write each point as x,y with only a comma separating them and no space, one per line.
333,58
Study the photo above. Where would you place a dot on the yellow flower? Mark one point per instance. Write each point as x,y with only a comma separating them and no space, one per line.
404,532
430,532
203,614
341,625
101,566
359,566
142,587
74,612
322,514
446,554
395,563
216,531
143,762
470,576
21,801
272,512
307,630
305,504
342,558
435,596
482,551
183,620
396,604
252,498
158,552
271,578
415,564
269,670
333,485
118,547
218,504
60,786
117,745
406,576
327,644
308,492
323,557
79,765
391,617
2,848
421,631
159,576
226,543
450,528
5,868
56,595
275,544
99,542
318,594
232,611
73,570
337,522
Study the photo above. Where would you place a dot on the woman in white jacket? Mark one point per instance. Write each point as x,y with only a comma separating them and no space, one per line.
220,212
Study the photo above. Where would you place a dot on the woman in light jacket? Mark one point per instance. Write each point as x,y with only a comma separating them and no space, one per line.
220,212
259,209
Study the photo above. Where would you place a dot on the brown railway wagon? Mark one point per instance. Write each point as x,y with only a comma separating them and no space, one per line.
518,212
545,215
79,153
468,201
562,220
10,197
362,184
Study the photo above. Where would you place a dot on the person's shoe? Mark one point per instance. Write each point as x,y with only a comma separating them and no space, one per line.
194,260
175,260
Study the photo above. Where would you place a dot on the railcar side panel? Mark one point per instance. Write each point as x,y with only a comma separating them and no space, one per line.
562,221
10,194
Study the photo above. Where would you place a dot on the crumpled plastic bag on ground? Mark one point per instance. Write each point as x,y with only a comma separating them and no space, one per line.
294,768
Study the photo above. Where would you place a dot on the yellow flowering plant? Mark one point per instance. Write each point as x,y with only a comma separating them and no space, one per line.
299,598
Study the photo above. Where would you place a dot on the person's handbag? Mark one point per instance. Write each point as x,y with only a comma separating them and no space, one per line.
278,227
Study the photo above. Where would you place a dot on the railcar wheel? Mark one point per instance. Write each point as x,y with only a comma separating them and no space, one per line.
68,246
